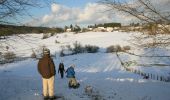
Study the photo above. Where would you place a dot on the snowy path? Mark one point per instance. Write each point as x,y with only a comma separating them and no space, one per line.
21,81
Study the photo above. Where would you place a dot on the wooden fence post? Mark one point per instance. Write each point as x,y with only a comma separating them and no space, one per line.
157,77
154,76
148,75
161,78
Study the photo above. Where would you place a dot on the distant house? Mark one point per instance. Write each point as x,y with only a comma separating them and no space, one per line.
100,29
116,28
109,29
68,30
90,29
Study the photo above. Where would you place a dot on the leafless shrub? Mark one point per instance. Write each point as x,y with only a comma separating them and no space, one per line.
91,48
154,20
45,36
62,53
110,49
88,90
52,34
9,55
69,47
33,55
78,48
126,48
114,48
57,42
118,48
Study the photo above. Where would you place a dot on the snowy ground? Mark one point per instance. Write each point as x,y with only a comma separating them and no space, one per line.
102,71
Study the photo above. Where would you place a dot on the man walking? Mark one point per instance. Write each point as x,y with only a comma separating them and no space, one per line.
47,70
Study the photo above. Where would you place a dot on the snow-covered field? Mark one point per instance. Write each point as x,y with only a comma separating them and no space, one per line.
102,71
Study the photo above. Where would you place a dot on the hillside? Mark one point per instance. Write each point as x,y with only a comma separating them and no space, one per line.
6,30
102,71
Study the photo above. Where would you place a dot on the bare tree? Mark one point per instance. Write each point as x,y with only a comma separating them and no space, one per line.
153,16
11,11
14,9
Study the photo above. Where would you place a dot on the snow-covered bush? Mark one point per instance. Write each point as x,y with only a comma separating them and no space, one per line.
45,36
88,90
52,34
0,56
62,53
78,48
114,48
84,30
56,41
91,49
69,48
118,48
33,55
9,55
110,49
125,48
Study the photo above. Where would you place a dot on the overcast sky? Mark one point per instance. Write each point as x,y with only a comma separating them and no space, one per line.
81,12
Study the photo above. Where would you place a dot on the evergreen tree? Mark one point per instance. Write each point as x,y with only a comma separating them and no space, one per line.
65,28
77,28
71,27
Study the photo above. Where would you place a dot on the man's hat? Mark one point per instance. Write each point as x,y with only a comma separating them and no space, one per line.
46,51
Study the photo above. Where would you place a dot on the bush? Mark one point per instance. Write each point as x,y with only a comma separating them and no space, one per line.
125,48
69,48
33,55
9,56
78,48
1,56
45,36
110,49
118,48
52,34
114,48
76,29
91,49
85,30
57,42
62,53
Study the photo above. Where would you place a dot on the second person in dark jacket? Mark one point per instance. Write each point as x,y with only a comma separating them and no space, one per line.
61,69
